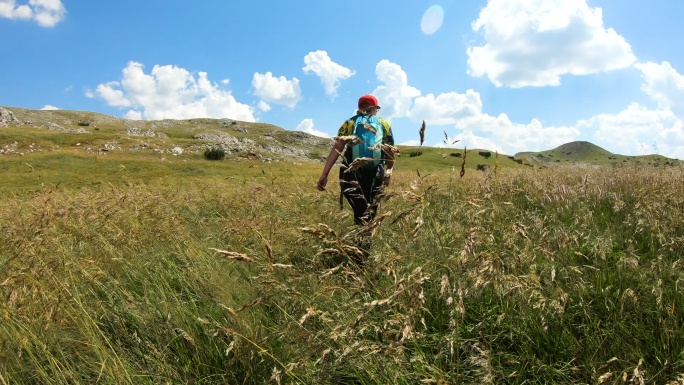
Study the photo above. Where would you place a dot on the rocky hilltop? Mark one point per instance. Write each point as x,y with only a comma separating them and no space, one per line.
103,133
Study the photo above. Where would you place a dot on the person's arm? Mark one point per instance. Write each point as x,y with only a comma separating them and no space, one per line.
389,168
329,163
389,162
390,155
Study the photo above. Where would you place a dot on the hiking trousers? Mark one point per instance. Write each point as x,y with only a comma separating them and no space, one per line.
361,188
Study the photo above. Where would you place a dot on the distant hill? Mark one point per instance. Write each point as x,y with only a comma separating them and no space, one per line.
97,133
587,153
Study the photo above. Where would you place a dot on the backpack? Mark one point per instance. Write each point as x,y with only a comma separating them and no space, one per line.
371,131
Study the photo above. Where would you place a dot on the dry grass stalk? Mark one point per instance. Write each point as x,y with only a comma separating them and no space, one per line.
358,162
419,223
351,140
267,245
276,375
282,266
354,250
233,255
310,230
186,336
386,148
369,127
328,229
463,161
231,311
256,302
330,251
309,312
330,271
402,215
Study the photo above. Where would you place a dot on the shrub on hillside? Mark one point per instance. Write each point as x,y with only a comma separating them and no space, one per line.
214,153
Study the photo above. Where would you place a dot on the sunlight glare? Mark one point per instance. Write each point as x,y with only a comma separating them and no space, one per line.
432,20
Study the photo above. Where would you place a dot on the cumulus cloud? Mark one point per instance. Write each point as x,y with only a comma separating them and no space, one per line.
410,142
630,129
640,130
133,115
535,42
47,13
446,108
664,85
263,106
330,73
277,90
170,92
49,107
515,137
464,112
636,130
395,95
307,126
112,96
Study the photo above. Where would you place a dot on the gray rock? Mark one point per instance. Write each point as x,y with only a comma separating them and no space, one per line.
7,117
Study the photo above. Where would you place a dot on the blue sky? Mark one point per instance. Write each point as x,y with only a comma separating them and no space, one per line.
506,75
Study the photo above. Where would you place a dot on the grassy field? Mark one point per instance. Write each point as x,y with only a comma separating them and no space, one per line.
119,269
137,266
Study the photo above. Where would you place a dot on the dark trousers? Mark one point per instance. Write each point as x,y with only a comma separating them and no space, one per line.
361,188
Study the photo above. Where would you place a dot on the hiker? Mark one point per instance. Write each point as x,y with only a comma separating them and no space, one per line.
367,167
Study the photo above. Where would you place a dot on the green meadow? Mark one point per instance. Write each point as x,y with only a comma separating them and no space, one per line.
143,267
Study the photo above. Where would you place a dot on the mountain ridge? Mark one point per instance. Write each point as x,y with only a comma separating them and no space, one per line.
254,137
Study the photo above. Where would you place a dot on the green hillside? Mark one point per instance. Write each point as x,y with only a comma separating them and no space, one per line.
81,149
586,153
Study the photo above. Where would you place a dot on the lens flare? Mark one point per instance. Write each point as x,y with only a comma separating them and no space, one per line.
432,20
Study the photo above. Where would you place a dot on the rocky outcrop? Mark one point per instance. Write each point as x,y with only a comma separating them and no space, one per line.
57,127
7,118
134,131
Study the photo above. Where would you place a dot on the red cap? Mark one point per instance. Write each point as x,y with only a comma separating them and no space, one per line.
368,101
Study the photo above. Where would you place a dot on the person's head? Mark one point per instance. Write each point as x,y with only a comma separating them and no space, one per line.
368,105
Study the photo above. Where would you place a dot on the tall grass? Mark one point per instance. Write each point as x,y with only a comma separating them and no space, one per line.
517,277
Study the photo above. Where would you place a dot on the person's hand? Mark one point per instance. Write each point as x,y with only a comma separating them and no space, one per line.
322,181
387,178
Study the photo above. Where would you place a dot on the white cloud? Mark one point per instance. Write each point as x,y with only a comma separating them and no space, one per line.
410,142
464,112
133,115
628,132
395,95
263,106
664,85
446,108
47,13
49,107
328,71
639,130
307,126
112,96
535,42
277,90
635,128
472,141
171,92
